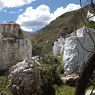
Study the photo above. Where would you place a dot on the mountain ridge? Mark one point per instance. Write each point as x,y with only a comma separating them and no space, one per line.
65,23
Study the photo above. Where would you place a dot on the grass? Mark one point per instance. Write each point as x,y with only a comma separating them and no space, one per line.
59,90
67,90
3,83
64,90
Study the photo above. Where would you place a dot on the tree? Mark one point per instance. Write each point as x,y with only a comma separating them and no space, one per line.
85,76
90,65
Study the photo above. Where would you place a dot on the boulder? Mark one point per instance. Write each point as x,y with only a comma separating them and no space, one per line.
71,80
78,47
88,92
28,78
58,47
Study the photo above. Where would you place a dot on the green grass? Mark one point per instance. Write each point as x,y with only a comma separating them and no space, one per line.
3,83
64,90
67,90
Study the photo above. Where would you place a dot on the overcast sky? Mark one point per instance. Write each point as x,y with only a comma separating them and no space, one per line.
33,15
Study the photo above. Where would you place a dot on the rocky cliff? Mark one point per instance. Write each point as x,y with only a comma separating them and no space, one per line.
78,47
58,47
13,46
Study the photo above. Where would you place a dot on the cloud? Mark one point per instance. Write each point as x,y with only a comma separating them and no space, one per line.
20,10
35,19
15,12
4,10
71,7
14,3
68,8
27,28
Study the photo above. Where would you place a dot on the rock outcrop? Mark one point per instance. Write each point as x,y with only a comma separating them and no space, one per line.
28,78
79,46
90,92
13,47
58,47
70,79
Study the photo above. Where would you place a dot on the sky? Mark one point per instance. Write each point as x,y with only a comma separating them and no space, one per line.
33,15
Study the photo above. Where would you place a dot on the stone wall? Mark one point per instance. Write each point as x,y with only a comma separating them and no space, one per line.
9,29
12,50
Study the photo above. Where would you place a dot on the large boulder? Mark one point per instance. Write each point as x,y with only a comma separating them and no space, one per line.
28,78
58,47
70,80
90,92
79,46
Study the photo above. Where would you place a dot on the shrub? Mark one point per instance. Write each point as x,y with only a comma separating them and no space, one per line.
37,49
51,65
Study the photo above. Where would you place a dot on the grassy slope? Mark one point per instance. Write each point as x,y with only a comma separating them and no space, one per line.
64,90
66,23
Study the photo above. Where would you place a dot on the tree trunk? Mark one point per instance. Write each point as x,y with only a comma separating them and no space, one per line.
85,76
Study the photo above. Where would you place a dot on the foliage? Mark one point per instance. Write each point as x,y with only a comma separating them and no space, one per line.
20,33
36,49
64,90
60,69
51,65
91,24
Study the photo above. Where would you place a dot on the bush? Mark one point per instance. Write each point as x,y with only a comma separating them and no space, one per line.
60,69
37,49
51,65
91,24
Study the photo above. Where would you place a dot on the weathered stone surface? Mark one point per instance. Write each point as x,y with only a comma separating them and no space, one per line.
58,47
88,92
77,49
10,29
12,50
28,78
70,79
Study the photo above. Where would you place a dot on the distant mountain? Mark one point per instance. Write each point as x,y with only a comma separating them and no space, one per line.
27,34
65,24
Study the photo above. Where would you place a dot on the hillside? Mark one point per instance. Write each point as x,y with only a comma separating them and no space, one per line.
66,23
